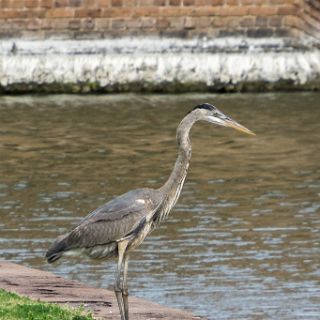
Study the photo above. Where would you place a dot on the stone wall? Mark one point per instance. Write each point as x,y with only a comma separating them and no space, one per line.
88,19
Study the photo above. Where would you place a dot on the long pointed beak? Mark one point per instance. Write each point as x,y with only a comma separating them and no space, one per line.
235,125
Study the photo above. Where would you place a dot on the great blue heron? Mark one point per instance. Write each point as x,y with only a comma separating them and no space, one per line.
119,226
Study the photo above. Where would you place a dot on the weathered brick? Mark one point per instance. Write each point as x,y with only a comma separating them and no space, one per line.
203,22
275,21
34,24
189,23
261,21
260,33
74,24
103,23
163,23
147,23
60,24
118,24
88,24
247,22
75,3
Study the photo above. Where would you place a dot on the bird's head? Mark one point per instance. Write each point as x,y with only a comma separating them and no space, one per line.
210,113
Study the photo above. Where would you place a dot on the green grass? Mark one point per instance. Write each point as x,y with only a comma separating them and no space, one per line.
15,307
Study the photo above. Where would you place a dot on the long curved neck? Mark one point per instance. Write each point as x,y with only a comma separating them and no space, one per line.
172,188
181,165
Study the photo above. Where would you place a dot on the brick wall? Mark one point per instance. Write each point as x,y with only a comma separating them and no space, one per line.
87,19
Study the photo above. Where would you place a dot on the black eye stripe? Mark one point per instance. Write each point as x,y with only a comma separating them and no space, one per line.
206,106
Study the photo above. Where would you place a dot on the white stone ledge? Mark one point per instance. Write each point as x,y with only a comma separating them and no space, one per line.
151,63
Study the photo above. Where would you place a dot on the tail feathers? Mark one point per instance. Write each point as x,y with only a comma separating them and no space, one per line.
56,250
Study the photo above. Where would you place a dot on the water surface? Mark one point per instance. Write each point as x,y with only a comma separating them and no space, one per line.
243,240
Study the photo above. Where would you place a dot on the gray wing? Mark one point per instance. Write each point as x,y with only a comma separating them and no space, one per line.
110,222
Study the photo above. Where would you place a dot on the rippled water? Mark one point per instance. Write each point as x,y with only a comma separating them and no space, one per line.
243,240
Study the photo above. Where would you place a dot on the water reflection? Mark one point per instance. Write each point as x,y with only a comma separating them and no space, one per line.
243,241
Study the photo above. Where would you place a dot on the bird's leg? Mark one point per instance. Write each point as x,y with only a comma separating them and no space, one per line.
125,292
117,288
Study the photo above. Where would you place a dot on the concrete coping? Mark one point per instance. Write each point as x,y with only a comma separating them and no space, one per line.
45,286
145,45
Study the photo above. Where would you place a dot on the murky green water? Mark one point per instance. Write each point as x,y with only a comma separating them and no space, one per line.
243,240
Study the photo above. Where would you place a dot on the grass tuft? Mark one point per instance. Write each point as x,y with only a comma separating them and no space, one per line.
15,307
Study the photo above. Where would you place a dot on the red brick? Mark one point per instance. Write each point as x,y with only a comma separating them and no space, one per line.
247,2
46,4
89,3
32,3
231,2
262,11
116,3
159,2
17,4
163,23
5,4
146,12
116,13
217,2
60,13
146,3
233,11
174,2
35,13
86,13
203,2
287,10
104,3
188,2
12,14
60,3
